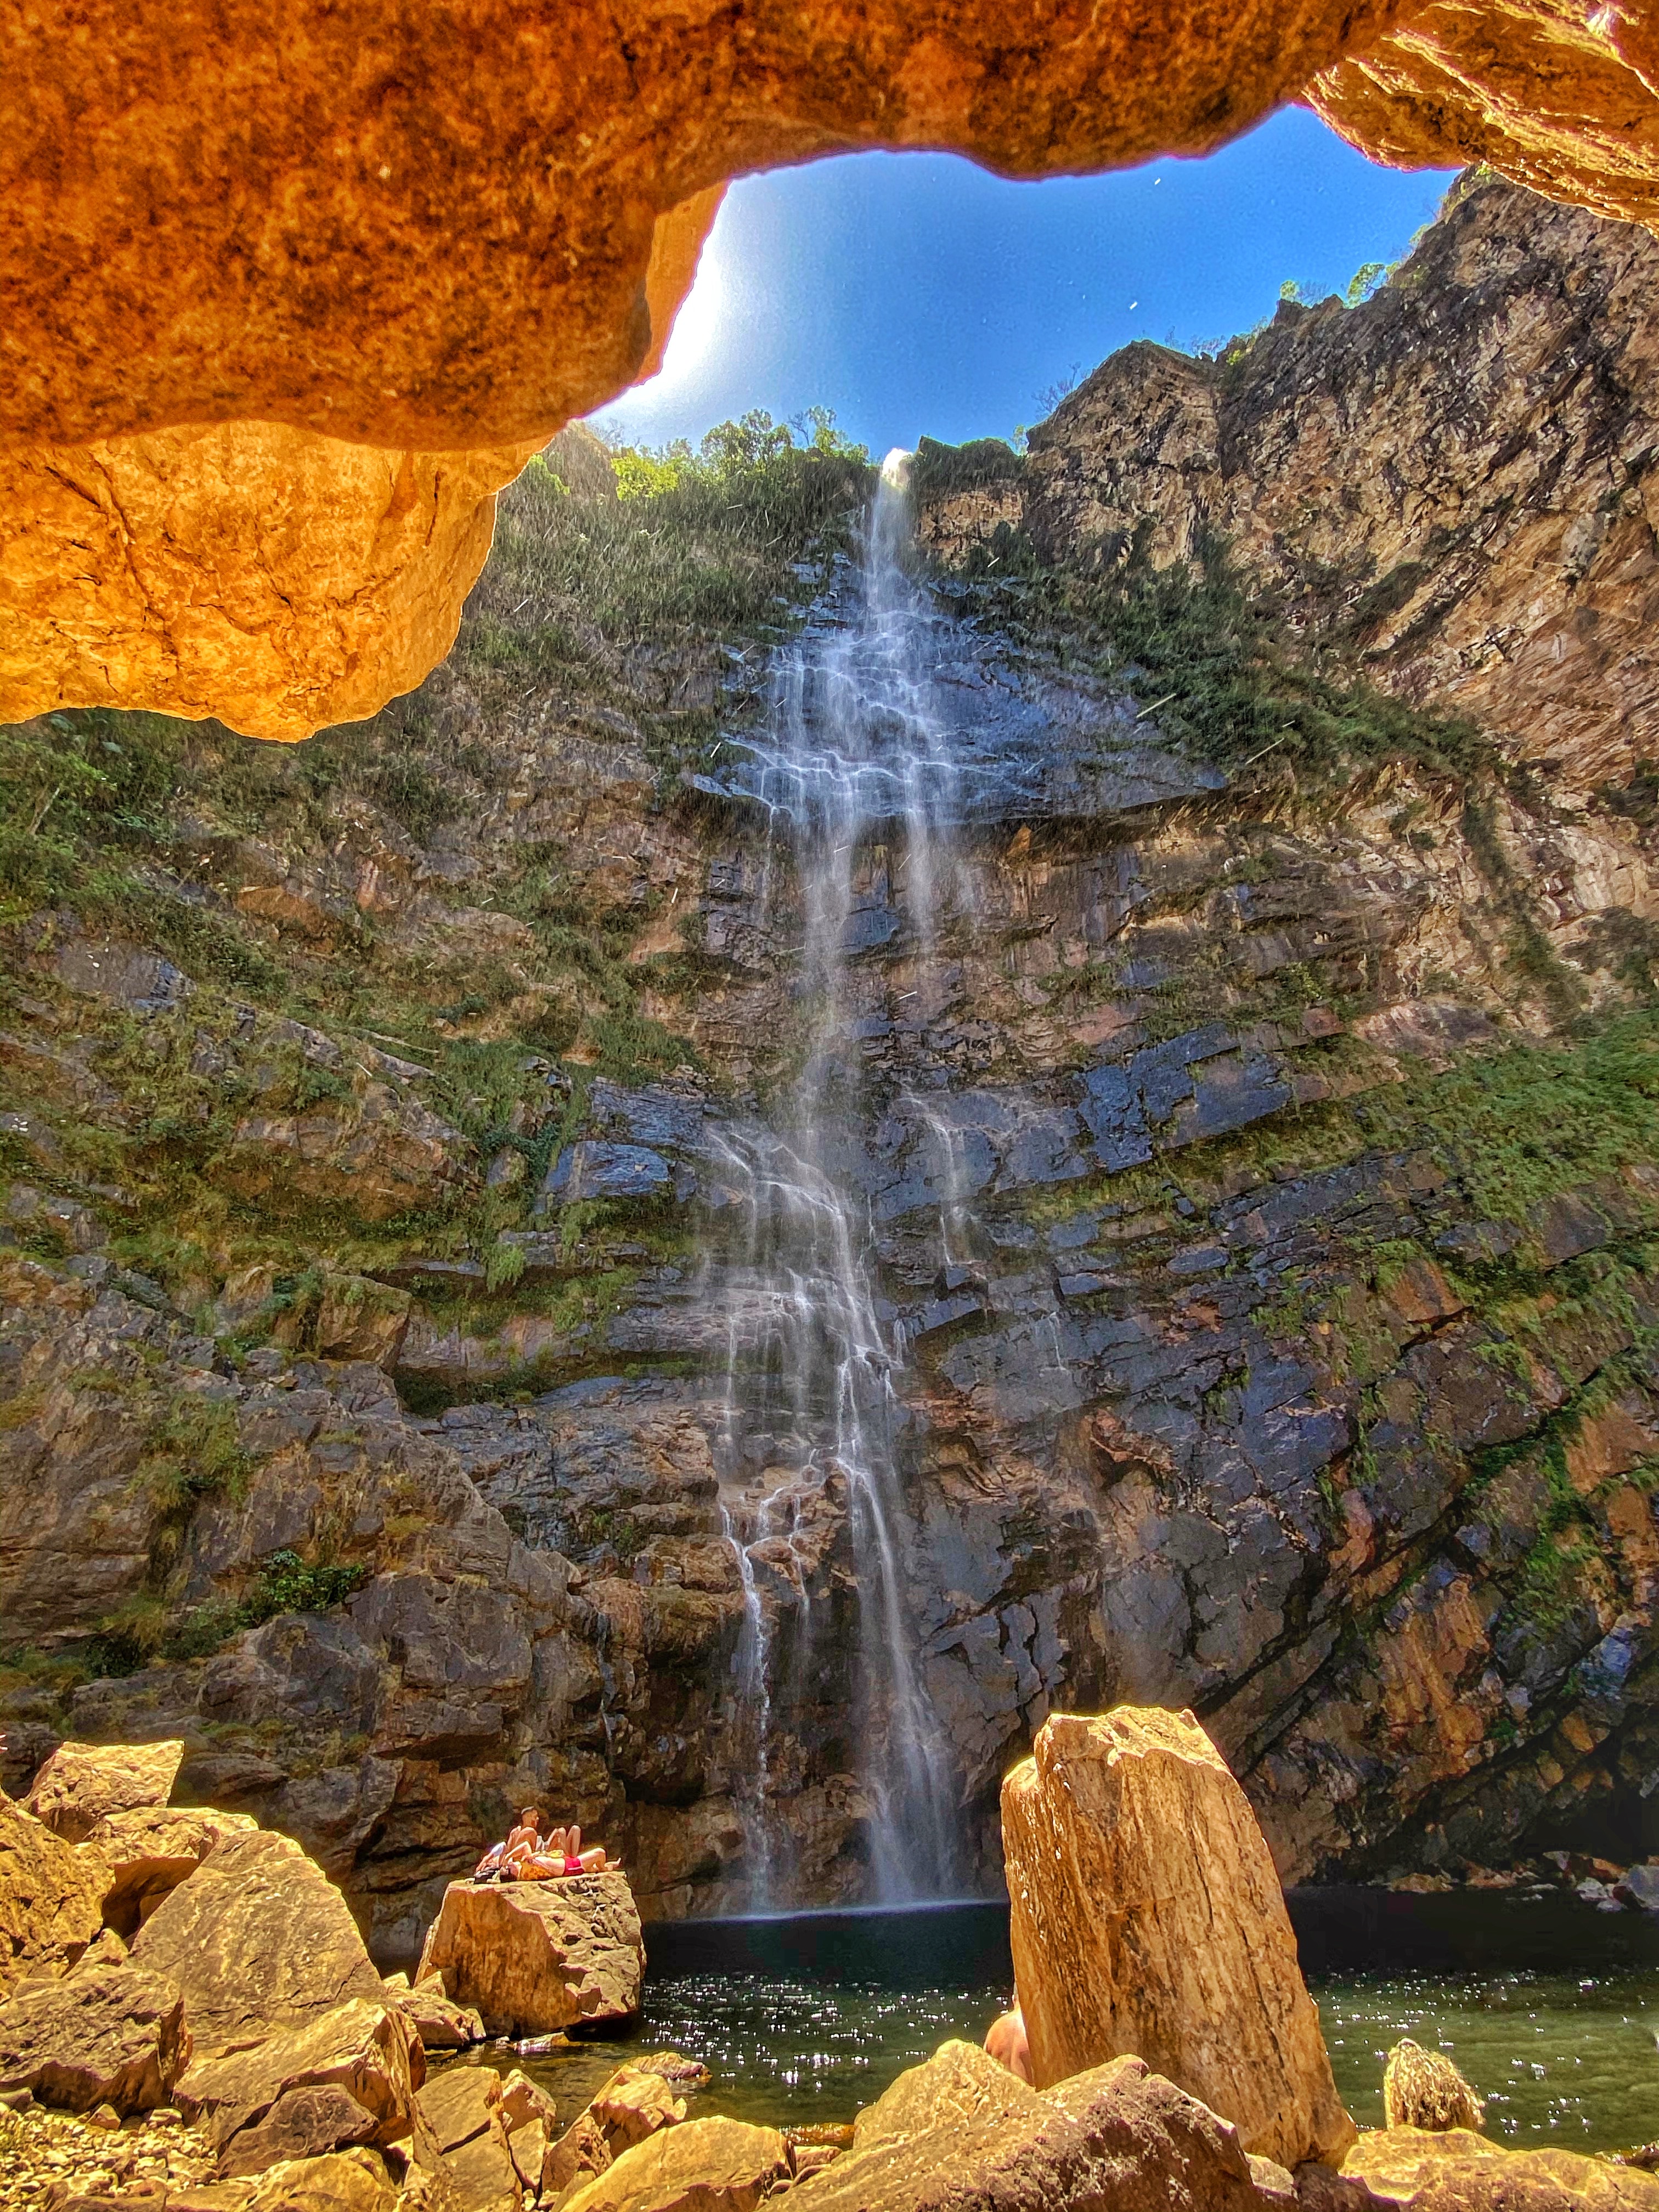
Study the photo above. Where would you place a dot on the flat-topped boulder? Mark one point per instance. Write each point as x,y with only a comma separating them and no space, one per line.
82,1784
534,1956
1147,1918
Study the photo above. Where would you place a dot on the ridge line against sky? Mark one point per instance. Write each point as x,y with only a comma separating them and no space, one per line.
916,294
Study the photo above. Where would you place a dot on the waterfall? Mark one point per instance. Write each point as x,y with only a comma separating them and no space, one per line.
860,791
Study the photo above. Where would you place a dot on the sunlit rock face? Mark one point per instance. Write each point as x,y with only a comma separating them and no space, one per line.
1452,479
1263,1298
1554,96
205,231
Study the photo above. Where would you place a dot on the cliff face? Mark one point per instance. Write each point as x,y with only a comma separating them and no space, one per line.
1261,1169
1453,482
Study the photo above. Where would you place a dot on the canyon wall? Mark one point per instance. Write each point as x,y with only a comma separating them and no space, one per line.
1262,1165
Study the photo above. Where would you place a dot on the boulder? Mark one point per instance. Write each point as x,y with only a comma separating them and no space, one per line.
706,2166
366,2049
307,2123
107,2034
466,2130
1147,1918
524,2104
634,2102
961,2134
259,1939
481,2175
533,1956
150,1849
51,1897
349,2181
82,1784
1453,2170
440,2025
460,2103
1424,2089
1638,1886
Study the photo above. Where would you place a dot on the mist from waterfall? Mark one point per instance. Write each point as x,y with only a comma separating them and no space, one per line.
860,790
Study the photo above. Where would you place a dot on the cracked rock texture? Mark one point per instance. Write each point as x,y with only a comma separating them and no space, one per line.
344,255
1273,1257
1454,480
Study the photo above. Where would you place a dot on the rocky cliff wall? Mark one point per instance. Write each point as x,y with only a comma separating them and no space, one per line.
1263,1169
1451,483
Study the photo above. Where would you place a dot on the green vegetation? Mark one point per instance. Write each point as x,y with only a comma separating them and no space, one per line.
1213,662
695,545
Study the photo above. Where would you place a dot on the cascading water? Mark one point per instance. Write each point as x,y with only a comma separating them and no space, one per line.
860,789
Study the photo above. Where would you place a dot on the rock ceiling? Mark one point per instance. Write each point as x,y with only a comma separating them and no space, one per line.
286,300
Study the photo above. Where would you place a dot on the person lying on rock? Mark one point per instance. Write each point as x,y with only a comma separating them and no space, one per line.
1007,2044
500,1861
592,1861
557,1854
545,1862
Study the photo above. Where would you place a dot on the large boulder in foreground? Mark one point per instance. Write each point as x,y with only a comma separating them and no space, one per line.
960,2134
259,1939
534,1956
108,2033
82,1784
702,2165
51,1897
366,2049
150,1849
1147,1918
1454,2170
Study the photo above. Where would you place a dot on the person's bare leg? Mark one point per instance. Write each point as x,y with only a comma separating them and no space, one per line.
1007,2045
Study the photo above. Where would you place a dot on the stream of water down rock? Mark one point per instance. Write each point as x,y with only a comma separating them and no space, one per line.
856,775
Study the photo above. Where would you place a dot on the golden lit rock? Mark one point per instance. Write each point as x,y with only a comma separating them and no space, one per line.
1147,1920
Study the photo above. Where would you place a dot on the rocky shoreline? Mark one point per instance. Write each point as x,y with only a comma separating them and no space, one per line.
241,2053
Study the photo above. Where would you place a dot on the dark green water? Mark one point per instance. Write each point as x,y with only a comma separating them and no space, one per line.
1549,2008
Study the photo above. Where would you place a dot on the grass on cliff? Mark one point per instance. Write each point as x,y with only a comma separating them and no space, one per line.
726,542
1212,661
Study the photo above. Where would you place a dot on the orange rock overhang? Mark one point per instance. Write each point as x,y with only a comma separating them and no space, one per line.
286,294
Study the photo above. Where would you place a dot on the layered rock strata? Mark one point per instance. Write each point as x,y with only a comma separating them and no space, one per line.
1451,481
1261,1180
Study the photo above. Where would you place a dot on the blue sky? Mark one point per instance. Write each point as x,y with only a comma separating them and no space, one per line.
915,294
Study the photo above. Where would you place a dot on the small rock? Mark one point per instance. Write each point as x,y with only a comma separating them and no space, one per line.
1638,1886
105,2115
